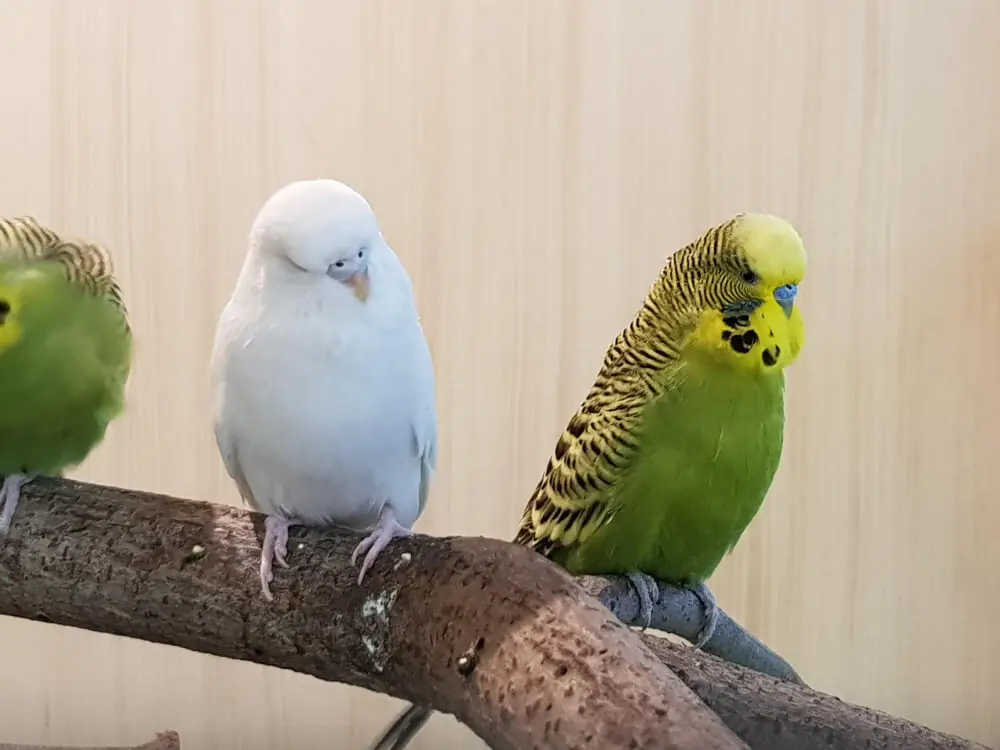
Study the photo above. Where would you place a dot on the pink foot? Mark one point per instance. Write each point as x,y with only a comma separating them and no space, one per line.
384,532
10,493
275,548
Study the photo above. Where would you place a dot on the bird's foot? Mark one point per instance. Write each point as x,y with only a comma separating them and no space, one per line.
707,599
387,529
10,494
275,548
649,591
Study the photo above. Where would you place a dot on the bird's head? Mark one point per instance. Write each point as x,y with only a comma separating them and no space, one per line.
745,277
321,228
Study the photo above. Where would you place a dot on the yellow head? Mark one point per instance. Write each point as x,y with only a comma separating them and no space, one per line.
743,278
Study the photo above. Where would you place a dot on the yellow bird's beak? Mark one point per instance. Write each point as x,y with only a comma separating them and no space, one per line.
359,283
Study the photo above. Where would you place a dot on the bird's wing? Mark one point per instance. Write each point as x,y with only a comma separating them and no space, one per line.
230,458
425,427
224,437
574,497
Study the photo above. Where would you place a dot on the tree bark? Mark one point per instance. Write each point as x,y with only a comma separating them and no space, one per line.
480,628
486,630
163,741
773,714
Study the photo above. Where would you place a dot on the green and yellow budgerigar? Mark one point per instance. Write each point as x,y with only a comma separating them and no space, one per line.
668,459
65,354
670,455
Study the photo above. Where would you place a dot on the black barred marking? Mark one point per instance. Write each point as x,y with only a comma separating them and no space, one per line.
588,515
576,426
726,335
737,321
561,447
614,458
85,264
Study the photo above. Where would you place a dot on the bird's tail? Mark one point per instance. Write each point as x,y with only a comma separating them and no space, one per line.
403,729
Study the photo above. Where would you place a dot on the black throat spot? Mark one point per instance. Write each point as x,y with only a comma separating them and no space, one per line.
743,343
4,311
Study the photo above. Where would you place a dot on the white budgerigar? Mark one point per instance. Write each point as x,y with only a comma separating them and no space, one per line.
322,380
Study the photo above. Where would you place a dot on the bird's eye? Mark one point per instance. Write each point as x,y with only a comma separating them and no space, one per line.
361,253
339,264
750,277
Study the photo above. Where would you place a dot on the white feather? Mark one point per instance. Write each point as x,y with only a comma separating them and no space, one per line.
323,404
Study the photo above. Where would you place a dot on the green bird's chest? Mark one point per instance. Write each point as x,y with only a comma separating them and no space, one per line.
708,450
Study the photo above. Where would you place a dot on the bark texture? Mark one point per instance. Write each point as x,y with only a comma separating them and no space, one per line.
163,741
773,714
480,628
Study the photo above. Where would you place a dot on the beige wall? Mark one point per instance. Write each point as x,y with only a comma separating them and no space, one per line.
533,162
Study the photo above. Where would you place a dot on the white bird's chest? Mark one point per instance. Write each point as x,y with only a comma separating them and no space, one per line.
322,417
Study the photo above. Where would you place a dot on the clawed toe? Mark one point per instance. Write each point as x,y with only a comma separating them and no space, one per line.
707,599
372,545
648,591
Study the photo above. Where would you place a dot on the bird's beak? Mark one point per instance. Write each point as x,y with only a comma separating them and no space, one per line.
785,296
359,283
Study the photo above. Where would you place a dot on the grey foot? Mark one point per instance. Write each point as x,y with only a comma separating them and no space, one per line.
707,599
649,591
275,549
10,494
387,529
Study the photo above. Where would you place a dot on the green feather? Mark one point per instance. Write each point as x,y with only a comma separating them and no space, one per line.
707,452
668,459
62,379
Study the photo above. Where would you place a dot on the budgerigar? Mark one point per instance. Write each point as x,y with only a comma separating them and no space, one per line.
669,457
65,354
322,379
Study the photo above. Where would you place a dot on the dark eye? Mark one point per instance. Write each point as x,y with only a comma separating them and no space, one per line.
750,277
339,264
361,253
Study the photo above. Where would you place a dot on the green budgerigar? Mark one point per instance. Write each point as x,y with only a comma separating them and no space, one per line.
668,459
65,354
670,455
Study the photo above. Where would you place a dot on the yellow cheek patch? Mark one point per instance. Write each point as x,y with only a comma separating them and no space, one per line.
10,327
765,340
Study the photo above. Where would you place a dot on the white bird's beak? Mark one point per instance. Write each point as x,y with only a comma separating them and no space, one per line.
359,283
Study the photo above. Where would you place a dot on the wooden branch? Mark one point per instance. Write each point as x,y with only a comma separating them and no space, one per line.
773,714
680,611
479,628
163,741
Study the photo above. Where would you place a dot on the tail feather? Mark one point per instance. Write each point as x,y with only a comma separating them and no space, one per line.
404,728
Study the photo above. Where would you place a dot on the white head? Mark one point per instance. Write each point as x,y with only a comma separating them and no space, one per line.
321,228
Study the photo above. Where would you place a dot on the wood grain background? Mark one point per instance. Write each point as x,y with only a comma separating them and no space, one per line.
533,162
